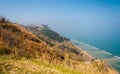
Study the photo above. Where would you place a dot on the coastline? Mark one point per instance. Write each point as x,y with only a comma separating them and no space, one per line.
83,51
100,54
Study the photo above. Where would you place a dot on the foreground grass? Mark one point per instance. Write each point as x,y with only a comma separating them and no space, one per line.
10,65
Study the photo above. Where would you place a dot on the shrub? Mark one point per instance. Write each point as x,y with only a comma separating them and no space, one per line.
4,50
27,55
3,19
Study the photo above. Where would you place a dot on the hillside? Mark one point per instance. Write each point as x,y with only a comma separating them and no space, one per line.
57,41
17,41
36,52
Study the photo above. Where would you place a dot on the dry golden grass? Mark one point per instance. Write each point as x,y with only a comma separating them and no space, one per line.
9,65
16,42
26,43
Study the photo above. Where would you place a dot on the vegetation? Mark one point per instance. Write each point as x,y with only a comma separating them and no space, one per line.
23,42
4,50
53,35
3,19
22,51
10,65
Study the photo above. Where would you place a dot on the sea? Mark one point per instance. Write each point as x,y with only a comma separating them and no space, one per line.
112,57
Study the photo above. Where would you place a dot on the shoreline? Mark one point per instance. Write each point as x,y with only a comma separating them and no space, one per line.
83,51
100,54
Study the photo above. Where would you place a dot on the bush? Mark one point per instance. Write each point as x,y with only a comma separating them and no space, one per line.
3,19
27,55
4,50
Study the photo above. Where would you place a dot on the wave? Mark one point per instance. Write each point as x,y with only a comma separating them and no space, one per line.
106,52
78,42
93,47
116,56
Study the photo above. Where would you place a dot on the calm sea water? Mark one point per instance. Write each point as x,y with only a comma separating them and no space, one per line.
111,58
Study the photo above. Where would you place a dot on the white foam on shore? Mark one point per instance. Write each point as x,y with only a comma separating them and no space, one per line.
81,43
116,56
95,48
88,45
92,47
106,52
75,40
82,50
85,44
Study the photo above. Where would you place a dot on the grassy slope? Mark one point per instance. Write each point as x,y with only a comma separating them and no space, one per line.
13,36
21,42
35,66
10,65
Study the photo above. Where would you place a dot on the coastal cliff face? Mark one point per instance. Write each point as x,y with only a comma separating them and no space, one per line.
38,49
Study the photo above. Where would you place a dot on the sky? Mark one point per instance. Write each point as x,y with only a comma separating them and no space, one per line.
90,20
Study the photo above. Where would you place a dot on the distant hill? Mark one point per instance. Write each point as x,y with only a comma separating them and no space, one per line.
57,41
45,30
38,49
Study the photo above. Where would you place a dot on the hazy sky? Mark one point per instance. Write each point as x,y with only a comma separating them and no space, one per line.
96,19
